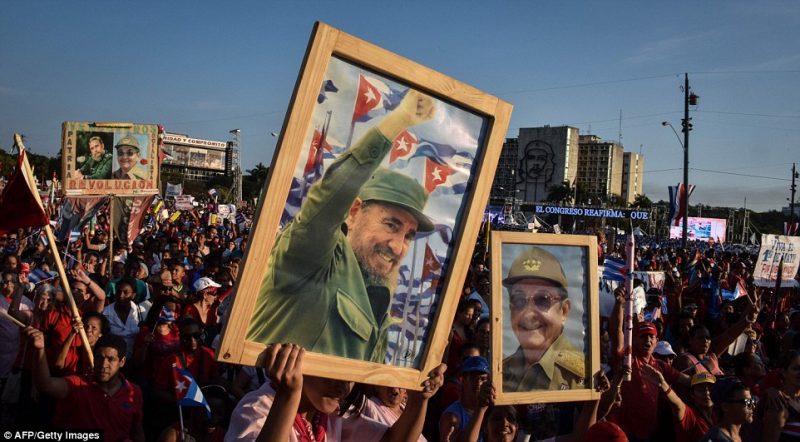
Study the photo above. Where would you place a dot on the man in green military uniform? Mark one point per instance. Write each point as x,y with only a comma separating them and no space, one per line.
98,165
539,305
128,159
334,267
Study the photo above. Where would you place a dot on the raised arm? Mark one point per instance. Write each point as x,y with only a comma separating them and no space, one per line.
54,387
408,427
656,378
615,321
285,367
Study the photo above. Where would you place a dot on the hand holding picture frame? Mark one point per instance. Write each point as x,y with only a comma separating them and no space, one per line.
545,334
376,193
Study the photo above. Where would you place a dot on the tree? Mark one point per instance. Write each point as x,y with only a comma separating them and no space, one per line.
560,194
253,182
641,202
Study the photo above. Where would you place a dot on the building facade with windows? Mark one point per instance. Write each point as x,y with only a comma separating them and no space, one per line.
600,165
632,176
188,159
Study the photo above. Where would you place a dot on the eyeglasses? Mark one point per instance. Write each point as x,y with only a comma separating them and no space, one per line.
126,153
749,402
542,300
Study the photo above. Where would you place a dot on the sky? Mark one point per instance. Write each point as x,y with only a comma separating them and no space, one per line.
205,68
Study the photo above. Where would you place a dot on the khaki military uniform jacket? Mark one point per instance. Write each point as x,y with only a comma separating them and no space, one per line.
137,172
314,292
562,367
97,169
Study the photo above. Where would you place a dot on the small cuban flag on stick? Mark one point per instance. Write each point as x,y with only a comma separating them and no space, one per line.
188,393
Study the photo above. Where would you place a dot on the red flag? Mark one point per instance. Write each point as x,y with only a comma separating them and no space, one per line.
402,146
18,199
435,174
314,153
431,265
367,98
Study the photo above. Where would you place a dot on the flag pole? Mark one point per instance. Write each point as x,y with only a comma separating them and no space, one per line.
110,264
54,250
630,251
183,429
6,315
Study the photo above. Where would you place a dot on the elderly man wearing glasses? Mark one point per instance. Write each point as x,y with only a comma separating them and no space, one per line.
539,304
128,160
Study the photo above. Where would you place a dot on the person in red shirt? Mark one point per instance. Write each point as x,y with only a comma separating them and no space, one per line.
695,418
638,413
191,355
106,401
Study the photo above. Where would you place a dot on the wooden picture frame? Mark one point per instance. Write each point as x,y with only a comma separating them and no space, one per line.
339,76
126,161
547,347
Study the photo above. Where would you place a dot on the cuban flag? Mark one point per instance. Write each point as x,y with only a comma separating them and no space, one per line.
39,276
166,315
435,174
187,392
74,236
676,197
212,192
431,265
374,98
402,146
789,229
614,269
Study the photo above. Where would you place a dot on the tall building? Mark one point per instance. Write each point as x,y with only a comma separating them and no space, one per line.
632,176
504,186
537,160
600,166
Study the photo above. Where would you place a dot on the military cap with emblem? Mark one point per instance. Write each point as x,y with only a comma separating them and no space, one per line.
399,190
536,262
129,141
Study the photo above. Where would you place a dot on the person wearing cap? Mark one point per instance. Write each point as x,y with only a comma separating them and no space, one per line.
128,160
204,308
475,372
539,305
664,352
694,418
638,414
334,267
98,165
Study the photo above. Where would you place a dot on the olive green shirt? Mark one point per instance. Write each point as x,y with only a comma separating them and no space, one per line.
561,367
314,292
97,169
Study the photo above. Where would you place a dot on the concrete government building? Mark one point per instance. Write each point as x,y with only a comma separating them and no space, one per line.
541,158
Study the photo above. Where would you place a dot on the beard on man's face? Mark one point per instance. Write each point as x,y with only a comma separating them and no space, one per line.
373,276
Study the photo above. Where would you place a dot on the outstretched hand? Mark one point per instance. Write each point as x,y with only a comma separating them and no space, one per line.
652,375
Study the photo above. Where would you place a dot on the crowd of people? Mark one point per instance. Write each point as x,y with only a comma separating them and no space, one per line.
707,368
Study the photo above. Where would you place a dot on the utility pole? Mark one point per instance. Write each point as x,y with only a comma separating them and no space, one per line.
688,98
793,188
236,166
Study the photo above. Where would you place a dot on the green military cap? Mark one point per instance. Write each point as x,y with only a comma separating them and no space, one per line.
400,190
128,140
536,262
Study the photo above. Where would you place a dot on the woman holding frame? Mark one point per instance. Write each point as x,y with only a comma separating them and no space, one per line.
293,407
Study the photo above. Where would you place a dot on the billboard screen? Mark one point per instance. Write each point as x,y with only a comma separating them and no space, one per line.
702,229
181,150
